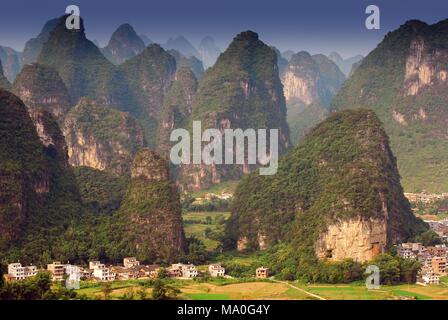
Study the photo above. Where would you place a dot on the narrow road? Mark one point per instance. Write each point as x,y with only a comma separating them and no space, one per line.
300,289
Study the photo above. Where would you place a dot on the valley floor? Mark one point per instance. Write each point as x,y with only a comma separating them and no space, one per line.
268,290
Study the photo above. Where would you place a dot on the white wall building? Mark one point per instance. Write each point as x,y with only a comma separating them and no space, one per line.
216,270
17,272
103,273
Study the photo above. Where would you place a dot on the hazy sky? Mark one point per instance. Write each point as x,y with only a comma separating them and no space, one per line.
314,25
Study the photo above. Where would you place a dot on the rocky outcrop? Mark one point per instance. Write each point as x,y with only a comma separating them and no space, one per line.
150,214
151,74
404,80
33,47
336,195
191,62
181,44
38,190
422,69
101,137
177,107
84,69
253,99
40,86
123,45
346,65
208,51
12,62
309,84
360,240
4,83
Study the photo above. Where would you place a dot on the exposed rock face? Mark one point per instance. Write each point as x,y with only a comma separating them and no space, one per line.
253,99
208,51
4,83
404,80
346,65
181,44
150,75
177,107
422,69
310,79
192,62
33,47
123,45
12,62
151,212
101,137
41,87
336,195
354,238
83,68
23,169
309,83
35,179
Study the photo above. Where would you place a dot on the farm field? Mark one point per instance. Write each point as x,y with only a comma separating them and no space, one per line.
195,224
266,290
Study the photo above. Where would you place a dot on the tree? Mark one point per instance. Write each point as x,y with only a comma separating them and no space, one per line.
389,268
428,238
106,289
2,280
159,291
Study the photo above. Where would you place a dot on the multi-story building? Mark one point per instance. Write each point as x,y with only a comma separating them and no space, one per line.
18,272
103,273
429,278
216,270
262,273
189,271
130,262
57,270
438,265
93,264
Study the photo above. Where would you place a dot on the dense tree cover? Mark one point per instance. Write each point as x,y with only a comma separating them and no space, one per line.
382,83
343,169
39,287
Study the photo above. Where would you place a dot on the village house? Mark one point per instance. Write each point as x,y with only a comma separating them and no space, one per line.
216,270
180,270
151,271
130,262
262,273
429,278
189,271
57,270
123,273
93,264
438,265
103,273
18,272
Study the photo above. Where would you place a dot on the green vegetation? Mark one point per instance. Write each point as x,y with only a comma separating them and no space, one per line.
344,169
378,83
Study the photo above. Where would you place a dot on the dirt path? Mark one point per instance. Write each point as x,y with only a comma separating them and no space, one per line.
300,289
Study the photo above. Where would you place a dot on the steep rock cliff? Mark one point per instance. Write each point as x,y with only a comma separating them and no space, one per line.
150,214
337,195
40,86
123,45
404,80
101,137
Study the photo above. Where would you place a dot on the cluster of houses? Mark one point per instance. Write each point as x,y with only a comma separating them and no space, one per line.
131,269
425,197
440,227
433,260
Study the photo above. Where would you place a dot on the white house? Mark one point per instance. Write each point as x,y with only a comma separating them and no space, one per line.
130,262
430,278
102,273
17,272
216,270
